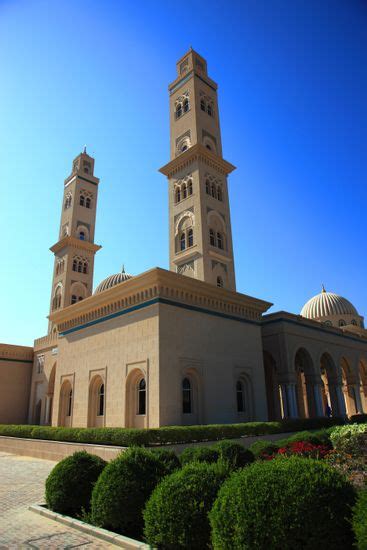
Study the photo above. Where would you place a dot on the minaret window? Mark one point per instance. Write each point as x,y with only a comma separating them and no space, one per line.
210,110
202,105
190,238
220,240
207,187
82,200
212,237
56,302
178,194
101,400
219,193
184,191
214,191
179,110
68,200
80,265
219,282
74,299
183,241
189,187
184,148
88,202
82,236
186,105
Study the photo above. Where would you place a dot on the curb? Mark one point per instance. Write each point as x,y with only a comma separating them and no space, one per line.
97,532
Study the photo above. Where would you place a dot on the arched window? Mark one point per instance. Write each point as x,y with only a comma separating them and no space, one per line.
80,266
219,240
74,299
70,403
240,397
101,400
184,191
88,202
207,187
75,265
190,238
202,105
208,147
186,105
178,194
327,324
342,323
210,110
220,282
354,322
186,396
82,200
219,193
67,201
142,393
183,148
179,110
82,235
85,267
183,241
212,237
189,187
214,191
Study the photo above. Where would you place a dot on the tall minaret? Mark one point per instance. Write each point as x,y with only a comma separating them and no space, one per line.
75,249
199,215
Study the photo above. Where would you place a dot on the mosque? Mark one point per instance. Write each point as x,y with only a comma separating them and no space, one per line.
180,346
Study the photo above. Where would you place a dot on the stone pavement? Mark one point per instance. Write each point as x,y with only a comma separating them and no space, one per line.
22,482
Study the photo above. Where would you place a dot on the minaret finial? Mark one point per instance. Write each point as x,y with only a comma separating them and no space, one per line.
85,149
123,268
323,288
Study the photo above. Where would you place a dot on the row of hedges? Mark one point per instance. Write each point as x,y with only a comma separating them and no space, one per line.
127,437
286,503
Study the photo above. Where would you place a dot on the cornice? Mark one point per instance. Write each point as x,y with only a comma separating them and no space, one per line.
90,179
72,242
10,352
165,285
194,153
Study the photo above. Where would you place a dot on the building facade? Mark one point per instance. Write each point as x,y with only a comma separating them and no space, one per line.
180,346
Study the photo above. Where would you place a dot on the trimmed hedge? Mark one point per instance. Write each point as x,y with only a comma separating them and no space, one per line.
176,515
126,437
123,488
198,454
234,454
360,520
70,483
286,503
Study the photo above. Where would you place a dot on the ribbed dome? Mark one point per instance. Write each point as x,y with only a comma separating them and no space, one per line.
327,304
112,280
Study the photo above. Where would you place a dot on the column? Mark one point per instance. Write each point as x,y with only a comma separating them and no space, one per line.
284,400
319,409
357,393
341,401
292,401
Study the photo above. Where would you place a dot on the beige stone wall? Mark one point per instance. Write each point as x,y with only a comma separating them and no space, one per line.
214,352
114,350
15,383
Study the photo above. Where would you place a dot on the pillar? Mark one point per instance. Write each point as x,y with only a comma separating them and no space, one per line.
319,409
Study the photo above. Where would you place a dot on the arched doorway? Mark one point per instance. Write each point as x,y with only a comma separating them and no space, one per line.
272,388
96,402
305,378
348,387
136,400
332,396
66,404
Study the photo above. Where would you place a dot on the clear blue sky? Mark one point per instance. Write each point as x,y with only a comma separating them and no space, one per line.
292,80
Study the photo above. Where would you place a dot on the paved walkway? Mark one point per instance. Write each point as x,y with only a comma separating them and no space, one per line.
22,482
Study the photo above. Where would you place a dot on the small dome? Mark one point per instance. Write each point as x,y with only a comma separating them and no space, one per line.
112,280
328,304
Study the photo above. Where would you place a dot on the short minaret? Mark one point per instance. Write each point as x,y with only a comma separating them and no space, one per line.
75,249
199,214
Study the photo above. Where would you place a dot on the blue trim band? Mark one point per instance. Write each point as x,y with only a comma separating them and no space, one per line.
159,301
321,328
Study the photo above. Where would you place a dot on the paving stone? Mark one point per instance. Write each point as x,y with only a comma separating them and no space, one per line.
22,484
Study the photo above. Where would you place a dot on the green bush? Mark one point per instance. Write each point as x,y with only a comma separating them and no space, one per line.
319,437
358,418
234,454
127,437
199,454
263,447
351,439
69,485
286,503
122,489
360,520
168,458
176,515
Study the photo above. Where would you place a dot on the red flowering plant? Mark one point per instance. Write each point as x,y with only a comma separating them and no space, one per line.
299,448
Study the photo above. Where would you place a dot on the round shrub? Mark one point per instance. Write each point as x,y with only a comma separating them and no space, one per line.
69,485
263,448
199,454
360,520
234,454
285,503
122,489
176,515
351,439
168,458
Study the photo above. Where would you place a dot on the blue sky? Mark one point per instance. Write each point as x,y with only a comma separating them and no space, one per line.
292,78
